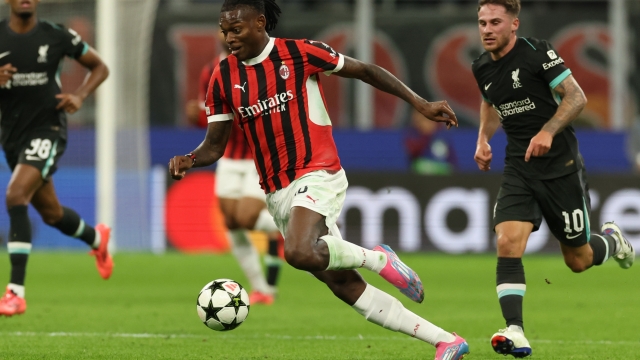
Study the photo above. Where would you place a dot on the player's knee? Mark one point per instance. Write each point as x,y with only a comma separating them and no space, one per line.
300,259
246,221
576,265
231,223
15,197
506,242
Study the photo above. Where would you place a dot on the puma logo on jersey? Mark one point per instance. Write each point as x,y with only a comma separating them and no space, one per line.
486,87
42,53
516,80
236,86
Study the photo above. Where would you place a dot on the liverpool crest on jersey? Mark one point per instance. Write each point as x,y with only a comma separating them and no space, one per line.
42,53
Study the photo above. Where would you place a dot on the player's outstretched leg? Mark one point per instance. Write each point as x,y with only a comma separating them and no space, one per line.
511,341
383,309
625,254
344,255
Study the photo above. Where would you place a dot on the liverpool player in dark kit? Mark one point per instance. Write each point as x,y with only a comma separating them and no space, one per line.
34,135
272,86
527,88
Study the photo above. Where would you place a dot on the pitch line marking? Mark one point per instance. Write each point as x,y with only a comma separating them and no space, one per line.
280,337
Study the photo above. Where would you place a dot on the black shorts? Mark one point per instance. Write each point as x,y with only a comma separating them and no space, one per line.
563,202
41,149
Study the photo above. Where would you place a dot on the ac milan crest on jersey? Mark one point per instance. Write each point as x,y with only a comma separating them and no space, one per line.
284,71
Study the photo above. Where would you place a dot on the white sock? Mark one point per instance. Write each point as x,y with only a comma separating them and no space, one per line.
249,260
344,255
383,309
265,222
96,241
17,289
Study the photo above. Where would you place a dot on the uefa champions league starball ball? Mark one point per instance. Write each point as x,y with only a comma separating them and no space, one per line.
223,305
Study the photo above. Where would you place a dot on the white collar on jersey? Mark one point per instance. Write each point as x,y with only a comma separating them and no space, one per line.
263,55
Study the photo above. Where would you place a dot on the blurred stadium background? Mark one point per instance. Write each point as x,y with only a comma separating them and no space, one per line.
414,188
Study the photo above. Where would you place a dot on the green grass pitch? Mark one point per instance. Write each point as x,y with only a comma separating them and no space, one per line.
147,311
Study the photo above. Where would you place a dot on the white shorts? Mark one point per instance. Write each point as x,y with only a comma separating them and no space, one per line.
236,179
318,191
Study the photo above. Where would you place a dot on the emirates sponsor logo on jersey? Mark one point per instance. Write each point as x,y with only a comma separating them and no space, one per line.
553,63
274,104
516,107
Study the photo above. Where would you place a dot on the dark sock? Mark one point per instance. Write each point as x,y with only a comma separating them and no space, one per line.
511,288
72,225
603,246
272,260
19,245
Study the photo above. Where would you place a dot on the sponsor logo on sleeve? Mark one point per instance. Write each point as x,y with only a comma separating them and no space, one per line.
552,54
553,63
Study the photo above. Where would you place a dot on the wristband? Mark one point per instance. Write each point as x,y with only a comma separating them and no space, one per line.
192,156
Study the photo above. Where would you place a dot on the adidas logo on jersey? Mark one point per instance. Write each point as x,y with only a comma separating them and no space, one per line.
553,63
271,105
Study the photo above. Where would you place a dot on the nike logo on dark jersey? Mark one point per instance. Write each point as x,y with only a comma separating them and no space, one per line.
486,87
5,54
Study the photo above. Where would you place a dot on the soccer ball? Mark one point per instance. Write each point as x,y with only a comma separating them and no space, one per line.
222,305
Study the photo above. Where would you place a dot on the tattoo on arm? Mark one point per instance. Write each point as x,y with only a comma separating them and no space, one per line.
215,141
573,101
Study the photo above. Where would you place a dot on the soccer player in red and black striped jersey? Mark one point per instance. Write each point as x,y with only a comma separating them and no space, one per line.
272,86
242,201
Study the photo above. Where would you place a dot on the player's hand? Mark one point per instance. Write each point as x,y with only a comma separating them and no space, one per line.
483,156
69,102
539,145
6,73
179,165
438,111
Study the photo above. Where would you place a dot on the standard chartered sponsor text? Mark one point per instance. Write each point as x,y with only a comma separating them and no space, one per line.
516,107
29,79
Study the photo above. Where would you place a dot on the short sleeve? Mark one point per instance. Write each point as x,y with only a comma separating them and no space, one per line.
322,58
483,92
72,42
548,63
215,105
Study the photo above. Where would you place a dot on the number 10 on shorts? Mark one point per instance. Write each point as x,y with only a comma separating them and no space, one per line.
573,222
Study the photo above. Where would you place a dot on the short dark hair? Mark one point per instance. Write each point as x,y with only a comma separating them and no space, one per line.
268,8
512,6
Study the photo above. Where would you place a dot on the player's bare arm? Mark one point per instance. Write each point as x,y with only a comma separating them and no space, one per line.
573,101
489,122
381,79
208,152
6,72
98,72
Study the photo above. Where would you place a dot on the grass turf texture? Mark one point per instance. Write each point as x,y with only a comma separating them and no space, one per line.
147,311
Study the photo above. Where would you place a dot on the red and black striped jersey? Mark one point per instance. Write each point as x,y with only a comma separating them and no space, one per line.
278,99
237,147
